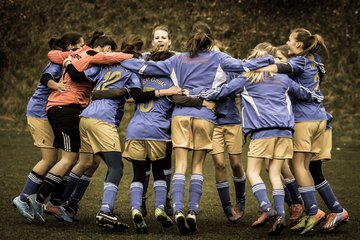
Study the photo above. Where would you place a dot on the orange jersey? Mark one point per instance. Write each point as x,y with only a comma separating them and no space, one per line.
79,92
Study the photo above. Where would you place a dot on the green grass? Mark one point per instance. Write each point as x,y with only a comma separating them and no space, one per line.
18,156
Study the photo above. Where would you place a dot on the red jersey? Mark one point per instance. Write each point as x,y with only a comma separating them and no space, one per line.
79,92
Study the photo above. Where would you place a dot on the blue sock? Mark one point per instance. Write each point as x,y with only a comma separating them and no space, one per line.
168,173
240,184
160,193
70,186
178,192
195,191
308,196
146,183
278,196
224,193
293,188
32,184
288,198
109,197
136,193
329,197
80,190
259,191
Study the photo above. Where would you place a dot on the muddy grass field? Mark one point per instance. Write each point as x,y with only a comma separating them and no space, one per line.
18,156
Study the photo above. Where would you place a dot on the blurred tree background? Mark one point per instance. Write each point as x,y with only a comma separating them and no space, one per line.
26,27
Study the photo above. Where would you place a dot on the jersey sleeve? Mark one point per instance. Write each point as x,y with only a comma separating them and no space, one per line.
230,64
57,56
54,70
233,87
297,64
303,93
133,81
159,68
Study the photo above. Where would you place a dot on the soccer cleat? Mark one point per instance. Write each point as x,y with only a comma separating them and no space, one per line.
191,221
71,211
143,207
181,223
111,221
313,221
301,224
163,218
139,221
58,211
232,214
278,226
264,218
37,208
168,207
23,208
335,220
296,211
240,206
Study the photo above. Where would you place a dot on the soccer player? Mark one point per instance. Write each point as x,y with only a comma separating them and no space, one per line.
63,111
338,215
268,117
305,68
192,128
38,124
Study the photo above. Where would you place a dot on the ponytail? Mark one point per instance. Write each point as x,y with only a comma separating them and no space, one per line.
200,39
62,43
311,43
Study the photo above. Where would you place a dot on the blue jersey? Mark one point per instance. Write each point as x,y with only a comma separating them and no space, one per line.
151,120
37,104
227,108
206,70
109,77
306,73
265,105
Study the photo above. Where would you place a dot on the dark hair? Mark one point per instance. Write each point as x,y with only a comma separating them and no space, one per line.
161,56
100,40
63,42
312,43
132,44
200,39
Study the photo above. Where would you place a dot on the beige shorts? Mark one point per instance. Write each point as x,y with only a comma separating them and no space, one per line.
41,132
229,137
98,136
326,146
191,133
271,148
140,149
308,136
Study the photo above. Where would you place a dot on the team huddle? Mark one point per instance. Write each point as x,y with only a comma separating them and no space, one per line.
183,102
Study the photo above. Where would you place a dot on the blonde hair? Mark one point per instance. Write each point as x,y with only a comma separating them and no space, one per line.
260,50
312,42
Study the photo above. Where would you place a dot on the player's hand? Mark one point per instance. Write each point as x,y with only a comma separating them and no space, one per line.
61,87
185,92
210,105
67,61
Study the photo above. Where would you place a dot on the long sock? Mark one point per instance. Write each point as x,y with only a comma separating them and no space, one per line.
278,196
51,182
79,191
308,196
259,191
288,198
195,191
293,188
168,173
70,187
240,184
178,191
58,192
224,193
136,192
31,186
146,183
329,197
160,193
109,197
